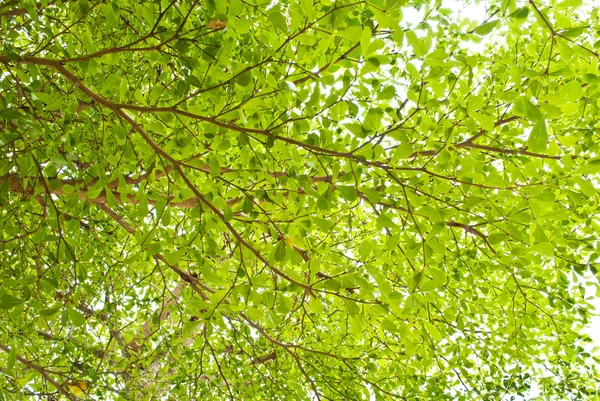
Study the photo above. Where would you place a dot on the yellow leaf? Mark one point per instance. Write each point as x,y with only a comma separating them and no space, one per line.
290,241
79,386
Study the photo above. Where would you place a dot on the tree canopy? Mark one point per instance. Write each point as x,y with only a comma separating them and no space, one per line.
298,199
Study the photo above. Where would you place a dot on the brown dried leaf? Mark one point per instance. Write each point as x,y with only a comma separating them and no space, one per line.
217,24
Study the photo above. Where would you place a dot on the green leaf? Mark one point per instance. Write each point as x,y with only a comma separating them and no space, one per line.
247,205
8,301
357,129
280,251
323,224
142,207
352,33
587,188
421,45
347,192
245,79
227,213
371,194
174,257
402,151
486,122
389,326
211,277
189,328
351,307
44,97
371,65
278,21
538,138
433,331
591,79
110,198
83,6
49,311
375,45
215,166
385,221
316,305
591,167
572,33
571,91
11,360
520,13
111,58
486,27
365,40
523,107
76,317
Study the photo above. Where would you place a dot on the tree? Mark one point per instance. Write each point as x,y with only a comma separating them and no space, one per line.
301,199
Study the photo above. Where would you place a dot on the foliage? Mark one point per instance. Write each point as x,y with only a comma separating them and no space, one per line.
308,199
